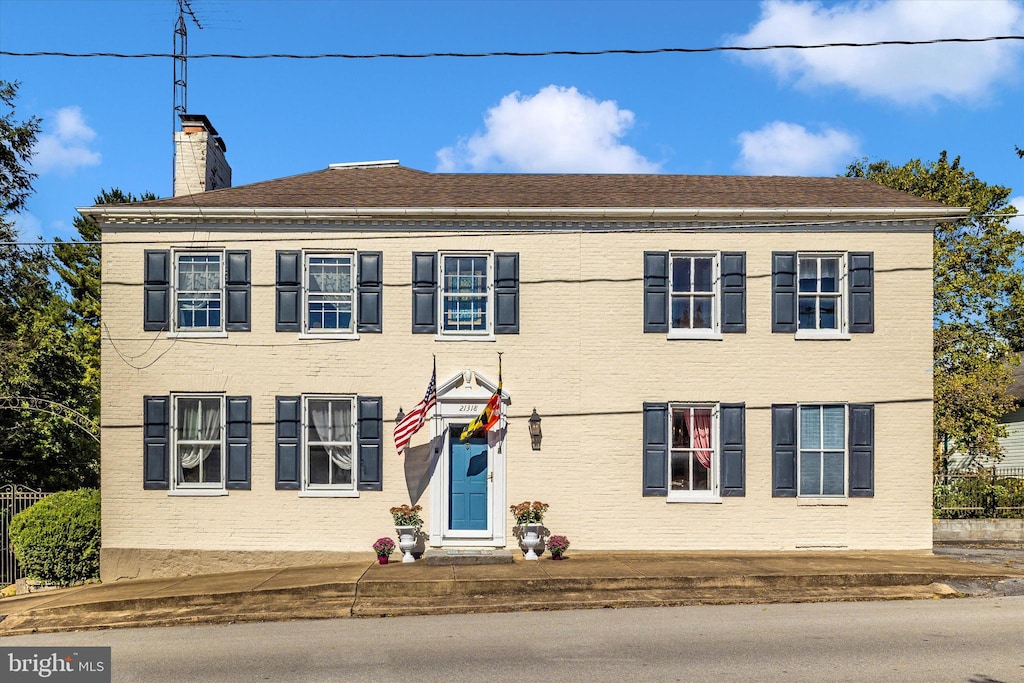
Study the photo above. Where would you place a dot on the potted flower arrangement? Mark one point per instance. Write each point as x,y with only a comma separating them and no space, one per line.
558,545
529,518
407,524
383,547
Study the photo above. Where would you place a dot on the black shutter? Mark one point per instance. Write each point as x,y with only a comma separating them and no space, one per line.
237,283
156,442
156,290
784,451
370,292
424,292
506,293
784,291
239,433
656,292
370,430
862,292
655,449
734,291
287,470
732,425
862,450
289,291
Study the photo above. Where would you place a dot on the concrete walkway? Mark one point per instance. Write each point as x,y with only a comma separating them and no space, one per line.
581,580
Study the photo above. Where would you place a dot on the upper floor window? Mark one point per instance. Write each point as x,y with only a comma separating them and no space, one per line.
199,292
328,457
329,294
465,294
695,295
198,442
820,302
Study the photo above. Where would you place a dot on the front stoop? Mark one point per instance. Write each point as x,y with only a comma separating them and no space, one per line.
467,556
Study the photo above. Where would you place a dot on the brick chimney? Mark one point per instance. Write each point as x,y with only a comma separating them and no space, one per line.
199,163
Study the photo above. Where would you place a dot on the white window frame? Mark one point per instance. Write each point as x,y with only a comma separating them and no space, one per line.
309,490
198,488
713,494
715,331
175,329
819,448
314,333
486,334
842,312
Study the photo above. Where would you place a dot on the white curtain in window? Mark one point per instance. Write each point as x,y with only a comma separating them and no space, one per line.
200,421
330,278
318,413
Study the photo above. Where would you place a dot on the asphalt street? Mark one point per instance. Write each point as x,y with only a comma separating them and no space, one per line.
978,640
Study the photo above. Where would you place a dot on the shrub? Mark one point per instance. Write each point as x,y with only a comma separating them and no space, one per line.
57,540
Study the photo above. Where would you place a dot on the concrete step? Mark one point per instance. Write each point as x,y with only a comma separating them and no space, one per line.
466,556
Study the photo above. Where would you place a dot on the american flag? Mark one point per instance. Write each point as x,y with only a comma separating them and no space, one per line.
412,422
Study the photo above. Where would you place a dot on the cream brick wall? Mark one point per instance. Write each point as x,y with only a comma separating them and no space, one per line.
581,359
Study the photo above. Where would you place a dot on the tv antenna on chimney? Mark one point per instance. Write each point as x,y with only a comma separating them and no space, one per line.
181,72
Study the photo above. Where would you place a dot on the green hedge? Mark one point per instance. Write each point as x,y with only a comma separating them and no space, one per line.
57,540
979,498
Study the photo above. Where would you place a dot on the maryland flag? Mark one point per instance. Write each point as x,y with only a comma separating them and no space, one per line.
489,416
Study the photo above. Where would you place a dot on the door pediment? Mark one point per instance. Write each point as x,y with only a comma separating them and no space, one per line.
468,385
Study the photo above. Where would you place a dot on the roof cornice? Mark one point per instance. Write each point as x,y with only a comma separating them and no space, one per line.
109,214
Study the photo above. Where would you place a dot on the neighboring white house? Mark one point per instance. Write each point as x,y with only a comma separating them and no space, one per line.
1013,443
718,363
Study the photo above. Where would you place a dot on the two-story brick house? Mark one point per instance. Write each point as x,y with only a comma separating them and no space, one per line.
719,362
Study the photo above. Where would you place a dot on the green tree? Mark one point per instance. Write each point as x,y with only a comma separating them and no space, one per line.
978,300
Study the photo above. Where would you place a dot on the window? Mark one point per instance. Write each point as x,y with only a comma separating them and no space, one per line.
820,300
328,459
329,294
198,442
692,451
693,294
465,294
822,448
199,292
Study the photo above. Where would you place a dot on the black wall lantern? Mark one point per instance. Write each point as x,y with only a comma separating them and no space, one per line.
535,433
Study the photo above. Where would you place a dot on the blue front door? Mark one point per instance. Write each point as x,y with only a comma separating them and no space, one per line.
467,498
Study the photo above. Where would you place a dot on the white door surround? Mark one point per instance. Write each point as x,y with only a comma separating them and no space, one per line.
459,400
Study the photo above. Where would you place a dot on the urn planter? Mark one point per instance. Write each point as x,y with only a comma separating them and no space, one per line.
407,541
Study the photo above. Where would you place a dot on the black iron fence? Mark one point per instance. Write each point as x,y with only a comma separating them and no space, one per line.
13,499
990,493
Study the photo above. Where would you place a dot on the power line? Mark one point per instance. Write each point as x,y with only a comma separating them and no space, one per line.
546,53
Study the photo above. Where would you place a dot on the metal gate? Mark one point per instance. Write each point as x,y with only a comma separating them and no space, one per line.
13,499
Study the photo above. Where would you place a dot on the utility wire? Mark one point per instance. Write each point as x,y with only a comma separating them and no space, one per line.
546,53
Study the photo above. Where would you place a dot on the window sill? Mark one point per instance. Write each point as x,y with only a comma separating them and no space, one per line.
816,335
325,493
221,334
465,338
197,493
822,502
333,337
713,500
707,335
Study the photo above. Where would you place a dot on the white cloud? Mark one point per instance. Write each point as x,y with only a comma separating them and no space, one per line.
558,130
903,74
64,147
27,228
1017,222
781,148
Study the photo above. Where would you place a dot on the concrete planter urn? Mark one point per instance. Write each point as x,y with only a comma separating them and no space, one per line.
531,539
407,541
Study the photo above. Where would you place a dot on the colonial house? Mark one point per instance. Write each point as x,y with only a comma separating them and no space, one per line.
713,362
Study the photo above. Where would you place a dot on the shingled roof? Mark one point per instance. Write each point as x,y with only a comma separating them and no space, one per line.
392,186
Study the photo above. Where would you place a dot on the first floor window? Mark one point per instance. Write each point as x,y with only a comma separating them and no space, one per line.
693,284
822,462
820,300
465,294
692,450
329,293
329,455
198,292
199,442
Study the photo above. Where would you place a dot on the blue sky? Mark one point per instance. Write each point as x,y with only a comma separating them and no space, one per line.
108,122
